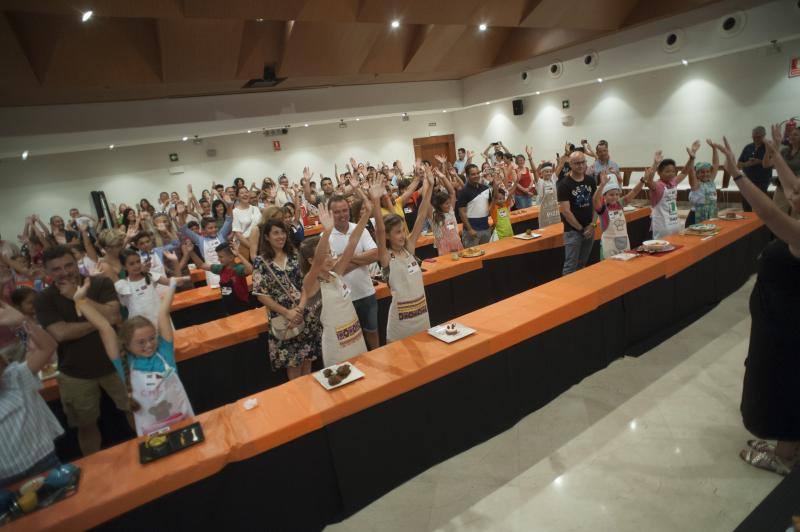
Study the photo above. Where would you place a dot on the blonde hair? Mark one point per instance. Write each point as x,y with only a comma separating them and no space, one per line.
111,238
125,334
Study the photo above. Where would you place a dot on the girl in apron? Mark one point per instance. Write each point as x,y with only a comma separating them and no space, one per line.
609,204
703,195
342,337
502,211
549,213
443,222
408,312
145,362
664,200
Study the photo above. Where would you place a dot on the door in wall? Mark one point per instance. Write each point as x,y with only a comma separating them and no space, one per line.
426,147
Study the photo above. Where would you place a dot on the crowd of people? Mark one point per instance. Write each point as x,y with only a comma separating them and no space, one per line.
98,292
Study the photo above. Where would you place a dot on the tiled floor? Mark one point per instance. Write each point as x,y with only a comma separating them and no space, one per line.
649,443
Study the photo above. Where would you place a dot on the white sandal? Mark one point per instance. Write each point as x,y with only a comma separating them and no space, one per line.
764,460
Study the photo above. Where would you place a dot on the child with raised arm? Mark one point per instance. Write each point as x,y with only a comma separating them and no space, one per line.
503,201
207,242
145,361
703,193
443,218
26,423
664,197
408,312
342,337
609,204
232,278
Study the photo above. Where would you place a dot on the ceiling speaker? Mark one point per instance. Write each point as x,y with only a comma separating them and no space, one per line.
673,40
555,69
733,24
525,77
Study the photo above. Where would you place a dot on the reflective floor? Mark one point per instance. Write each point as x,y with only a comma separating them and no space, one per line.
649,443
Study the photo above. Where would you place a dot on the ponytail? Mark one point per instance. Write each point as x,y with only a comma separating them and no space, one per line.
124,335
133,404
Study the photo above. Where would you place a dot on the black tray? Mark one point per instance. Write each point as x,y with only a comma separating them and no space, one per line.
175,441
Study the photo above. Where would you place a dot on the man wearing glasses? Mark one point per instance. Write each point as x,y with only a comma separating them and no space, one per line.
575,194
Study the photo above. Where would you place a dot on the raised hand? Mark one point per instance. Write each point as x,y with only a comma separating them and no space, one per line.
325,217
470,154
658,157
730,158
603,178
441,158
711,143
692,151
777,137
529,151
377,190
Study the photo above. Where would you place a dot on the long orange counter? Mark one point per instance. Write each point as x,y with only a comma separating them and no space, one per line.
420,402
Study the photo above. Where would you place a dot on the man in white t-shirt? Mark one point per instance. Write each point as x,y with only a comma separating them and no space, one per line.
362,292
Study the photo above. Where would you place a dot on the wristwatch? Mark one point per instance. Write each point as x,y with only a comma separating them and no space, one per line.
738,176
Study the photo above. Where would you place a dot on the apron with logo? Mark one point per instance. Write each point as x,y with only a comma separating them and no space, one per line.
549,213
615,237
665,214
706,202
210,257
162,399
502,226
341,332
408,312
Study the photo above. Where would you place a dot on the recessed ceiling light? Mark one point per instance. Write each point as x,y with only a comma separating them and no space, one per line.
684,62
259,20
395,23
482,27
405,114
25,155
305,125
110,146
249,130
184,139
444,110
357,119
599,80
538,93
86,15
487,103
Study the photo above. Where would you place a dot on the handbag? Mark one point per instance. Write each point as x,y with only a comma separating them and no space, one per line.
279,326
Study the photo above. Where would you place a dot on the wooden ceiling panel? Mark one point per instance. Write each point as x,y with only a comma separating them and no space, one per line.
523,43
109,52
14,65
320,49
475,49
200,49
156,48
436,43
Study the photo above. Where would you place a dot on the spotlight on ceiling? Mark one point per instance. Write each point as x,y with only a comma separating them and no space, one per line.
110,146
357,119
184,139
86,15
305,125
538,93
444,110
395,23
599,80
482,27
249,130
684,62
487,103
259,19
25,155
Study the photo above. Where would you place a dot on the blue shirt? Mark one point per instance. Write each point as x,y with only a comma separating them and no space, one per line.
149,364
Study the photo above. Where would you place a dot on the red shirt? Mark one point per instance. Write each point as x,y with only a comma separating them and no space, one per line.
524,178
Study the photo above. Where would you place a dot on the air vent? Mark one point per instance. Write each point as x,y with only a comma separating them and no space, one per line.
590,60
733,24
555,69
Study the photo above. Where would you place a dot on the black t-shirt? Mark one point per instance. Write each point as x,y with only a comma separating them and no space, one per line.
756,173
579,195
85,357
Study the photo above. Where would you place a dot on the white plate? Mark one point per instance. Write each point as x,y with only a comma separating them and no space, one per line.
355,374
623,256
523,236
702,228
438,332
737,217
629,208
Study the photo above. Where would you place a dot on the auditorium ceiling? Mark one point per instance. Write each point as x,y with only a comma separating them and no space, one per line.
142,49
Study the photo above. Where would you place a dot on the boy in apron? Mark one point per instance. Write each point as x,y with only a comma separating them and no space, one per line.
609,204
207,243
664,195
145,362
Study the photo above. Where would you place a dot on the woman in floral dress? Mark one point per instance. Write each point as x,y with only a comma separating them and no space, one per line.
277,283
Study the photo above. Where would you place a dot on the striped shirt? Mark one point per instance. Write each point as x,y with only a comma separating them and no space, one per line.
26,423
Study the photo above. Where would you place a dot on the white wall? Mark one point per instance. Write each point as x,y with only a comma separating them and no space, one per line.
664,109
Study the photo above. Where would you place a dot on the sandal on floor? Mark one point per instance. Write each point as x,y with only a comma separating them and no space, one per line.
764,460
761,446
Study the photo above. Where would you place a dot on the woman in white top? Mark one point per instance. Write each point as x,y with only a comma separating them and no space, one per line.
408,312
342,337
245,218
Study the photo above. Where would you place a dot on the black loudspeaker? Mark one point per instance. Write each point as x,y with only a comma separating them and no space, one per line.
517,106
102,208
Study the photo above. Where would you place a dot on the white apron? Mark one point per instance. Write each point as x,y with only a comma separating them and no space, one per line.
162,399
341,332
210,257
665,214
615,237
549,213
408,312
